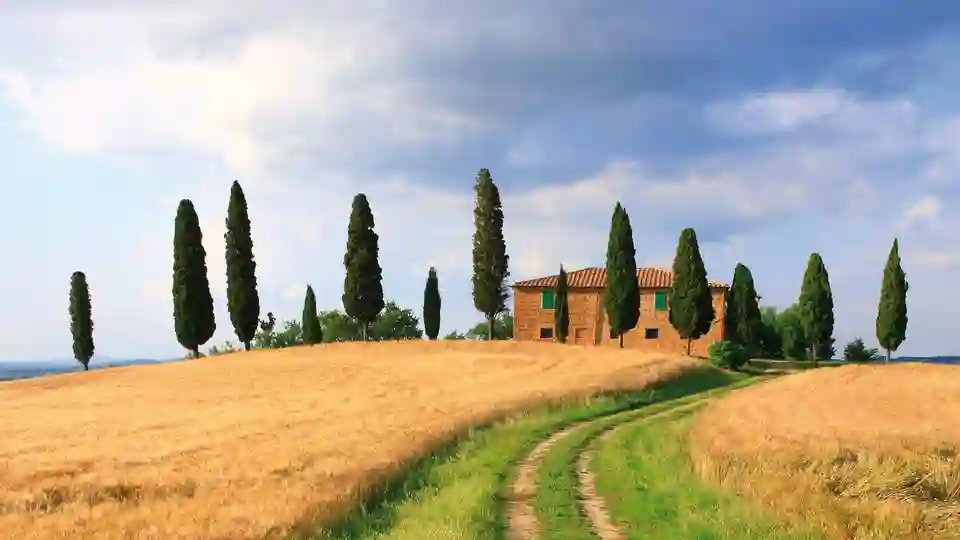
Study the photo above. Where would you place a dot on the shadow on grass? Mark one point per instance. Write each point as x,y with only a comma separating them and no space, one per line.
377,513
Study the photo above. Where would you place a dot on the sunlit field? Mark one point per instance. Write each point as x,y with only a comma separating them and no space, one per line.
862,451
264,443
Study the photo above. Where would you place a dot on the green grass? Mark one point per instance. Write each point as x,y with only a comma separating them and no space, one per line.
557,498
457,493
644,474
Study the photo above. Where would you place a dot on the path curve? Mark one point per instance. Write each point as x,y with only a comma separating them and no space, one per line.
522,521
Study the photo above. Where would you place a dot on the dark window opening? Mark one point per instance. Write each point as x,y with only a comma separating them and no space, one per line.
546,333
651,333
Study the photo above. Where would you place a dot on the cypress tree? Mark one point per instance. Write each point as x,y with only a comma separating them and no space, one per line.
363,284
310,322
691,303
816,308
892,310
431,305
192,302
490,259
81,320
561,312
243,302
621,294
743,321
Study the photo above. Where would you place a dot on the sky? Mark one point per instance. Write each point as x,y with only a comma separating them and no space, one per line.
775,129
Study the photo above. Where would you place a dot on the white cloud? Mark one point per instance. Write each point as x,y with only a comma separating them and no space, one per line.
924,210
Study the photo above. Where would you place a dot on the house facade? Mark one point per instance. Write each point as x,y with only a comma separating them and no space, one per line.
534,302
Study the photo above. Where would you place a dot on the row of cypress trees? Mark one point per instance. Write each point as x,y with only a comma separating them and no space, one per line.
691,310
363,298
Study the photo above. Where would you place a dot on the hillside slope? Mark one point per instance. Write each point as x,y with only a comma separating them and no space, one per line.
253,443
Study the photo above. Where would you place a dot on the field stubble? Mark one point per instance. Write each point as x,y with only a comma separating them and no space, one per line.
266,443
864,452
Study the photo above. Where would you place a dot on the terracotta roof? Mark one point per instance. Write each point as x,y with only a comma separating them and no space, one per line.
595,278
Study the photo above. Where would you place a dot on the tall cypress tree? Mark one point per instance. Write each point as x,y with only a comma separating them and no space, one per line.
743,321
816,308
490,259
431,305
310,321
691,303
892,310
561,312
363,284
243,301
81,319
621,294
192,302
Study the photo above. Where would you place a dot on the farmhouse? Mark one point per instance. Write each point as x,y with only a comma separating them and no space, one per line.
534,300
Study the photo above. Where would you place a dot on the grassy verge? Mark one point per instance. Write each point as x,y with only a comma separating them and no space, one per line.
557,498
643,472
457,493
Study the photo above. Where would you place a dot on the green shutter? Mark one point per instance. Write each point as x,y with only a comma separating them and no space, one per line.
546,300
660,301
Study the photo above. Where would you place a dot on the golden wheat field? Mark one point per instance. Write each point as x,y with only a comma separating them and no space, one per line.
258,444
865,452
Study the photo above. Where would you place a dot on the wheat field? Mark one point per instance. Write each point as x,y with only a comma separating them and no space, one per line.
265,443
864,452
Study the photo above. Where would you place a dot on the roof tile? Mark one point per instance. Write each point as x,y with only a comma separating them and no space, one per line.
595,278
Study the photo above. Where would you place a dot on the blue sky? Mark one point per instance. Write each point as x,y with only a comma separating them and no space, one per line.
774,128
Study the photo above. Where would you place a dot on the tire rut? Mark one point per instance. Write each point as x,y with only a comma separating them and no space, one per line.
522,521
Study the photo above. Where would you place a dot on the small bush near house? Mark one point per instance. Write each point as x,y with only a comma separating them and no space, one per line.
727,354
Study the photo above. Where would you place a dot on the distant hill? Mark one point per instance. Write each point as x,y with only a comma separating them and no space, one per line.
27,370
928,359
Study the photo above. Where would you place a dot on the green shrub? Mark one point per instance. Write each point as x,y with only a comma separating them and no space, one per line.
727,354
857,351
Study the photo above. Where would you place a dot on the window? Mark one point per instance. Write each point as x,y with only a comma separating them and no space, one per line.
546,333
546,300
651,333
660,301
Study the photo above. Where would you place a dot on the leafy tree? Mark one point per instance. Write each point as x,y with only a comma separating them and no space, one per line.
243,301
490,259
81,319
727,354
502,328
857,351
363,284
392,323
431,305
621,294
744,324
455,336
192,302
396,323
561,312
793,342
269,324
691,302
816,308
312,332
892,310
290,336
771,344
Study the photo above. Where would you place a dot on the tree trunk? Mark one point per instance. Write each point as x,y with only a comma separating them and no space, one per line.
86,367
815,354
490,319
886,359
246,345
621,340
363,331
196,352
689,343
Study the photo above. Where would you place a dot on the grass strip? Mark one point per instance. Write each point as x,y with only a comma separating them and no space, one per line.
557,498
457,492
644,474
